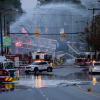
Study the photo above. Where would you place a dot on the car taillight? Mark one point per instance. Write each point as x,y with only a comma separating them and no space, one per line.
92,66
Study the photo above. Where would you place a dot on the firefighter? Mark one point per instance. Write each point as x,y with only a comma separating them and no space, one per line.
61,61
55,61
50,64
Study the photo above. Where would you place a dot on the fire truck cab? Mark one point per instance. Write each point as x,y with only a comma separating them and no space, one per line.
6,64
84,58
6,70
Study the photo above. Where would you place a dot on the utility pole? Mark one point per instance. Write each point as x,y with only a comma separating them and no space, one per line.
4,31
1,34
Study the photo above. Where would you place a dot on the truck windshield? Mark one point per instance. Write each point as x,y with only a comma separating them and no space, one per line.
81,56
8,66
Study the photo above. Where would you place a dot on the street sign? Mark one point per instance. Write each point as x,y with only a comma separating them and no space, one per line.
6,41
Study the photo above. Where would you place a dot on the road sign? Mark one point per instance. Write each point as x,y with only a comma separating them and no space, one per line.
6,41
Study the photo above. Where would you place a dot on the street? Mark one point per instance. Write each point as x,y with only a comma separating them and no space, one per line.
63,83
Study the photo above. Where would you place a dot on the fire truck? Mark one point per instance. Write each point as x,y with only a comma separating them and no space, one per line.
22,60
19,59
41,56
6,70
84,58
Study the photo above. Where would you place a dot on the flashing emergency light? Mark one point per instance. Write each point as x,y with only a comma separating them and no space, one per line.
94,61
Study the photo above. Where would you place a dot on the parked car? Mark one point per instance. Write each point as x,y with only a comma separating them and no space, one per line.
38,66
94,67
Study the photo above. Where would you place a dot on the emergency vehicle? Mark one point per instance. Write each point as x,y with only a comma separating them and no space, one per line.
7,70
84,58
41,56
19,59
22,60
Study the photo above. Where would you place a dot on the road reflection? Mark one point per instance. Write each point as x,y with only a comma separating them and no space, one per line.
47,80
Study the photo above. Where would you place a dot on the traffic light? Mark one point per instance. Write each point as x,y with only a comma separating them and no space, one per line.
36,33
90,48
64,35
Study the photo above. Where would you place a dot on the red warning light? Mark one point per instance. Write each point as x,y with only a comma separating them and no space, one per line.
79,33
30,42
47,43
42,43
52,42
75,35
27,46
33,41
57,42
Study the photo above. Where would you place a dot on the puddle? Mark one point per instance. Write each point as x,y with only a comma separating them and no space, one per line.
49,80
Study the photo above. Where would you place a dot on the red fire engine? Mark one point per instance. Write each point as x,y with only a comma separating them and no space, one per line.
84,58
21,60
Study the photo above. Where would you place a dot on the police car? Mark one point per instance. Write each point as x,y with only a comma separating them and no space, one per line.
38,66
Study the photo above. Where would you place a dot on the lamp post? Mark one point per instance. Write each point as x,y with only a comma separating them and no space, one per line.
1,27
83,22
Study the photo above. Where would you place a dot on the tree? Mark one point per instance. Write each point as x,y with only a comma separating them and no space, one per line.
11,4
92,36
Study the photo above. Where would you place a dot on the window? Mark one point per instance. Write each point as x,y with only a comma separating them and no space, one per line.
96,64
35,63
37,56
81,56
43,63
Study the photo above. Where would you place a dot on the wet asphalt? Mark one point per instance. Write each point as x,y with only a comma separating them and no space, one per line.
69,77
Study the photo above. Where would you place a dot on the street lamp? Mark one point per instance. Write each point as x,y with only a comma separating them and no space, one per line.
1,27
83,22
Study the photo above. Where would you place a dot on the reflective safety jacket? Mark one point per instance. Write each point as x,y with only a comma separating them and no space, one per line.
55,61
51,64
61,61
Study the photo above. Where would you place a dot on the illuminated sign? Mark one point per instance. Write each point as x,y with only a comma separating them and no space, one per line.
6,41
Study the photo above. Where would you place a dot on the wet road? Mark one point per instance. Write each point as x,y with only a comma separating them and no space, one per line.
50,85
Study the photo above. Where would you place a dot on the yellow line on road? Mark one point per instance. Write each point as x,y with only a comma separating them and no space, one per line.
85,92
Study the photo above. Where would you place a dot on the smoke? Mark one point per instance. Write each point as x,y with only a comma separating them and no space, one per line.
52,18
